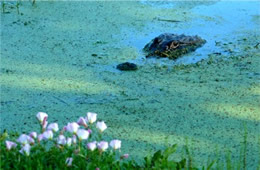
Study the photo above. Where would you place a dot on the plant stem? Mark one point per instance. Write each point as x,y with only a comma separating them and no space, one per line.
245,147
17,7
3,6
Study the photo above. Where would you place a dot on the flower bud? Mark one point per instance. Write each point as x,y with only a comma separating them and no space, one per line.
82,122
41,115
33,135
69,141
125,156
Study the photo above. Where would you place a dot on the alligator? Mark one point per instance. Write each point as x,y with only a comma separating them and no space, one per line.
172,46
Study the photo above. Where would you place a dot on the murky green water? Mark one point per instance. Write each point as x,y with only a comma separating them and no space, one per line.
47,64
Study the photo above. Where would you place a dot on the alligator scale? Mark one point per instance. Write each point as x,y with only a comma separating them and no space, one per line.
172,46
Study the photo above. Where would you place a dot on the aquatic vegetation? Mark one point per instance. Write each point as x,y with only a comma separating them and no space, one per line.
18,7
33,2
64,142
3,7
77,147
74,146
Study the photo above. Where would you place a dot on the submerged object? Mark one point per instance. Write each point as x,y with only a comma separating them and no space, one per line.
172,46
127,66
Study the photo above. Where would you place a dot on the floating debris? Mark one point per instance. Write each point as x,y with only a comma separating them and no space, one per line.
127,66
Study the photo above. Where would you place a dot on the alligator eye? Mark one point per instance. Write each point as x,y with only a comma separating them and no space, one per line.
156,40
174,45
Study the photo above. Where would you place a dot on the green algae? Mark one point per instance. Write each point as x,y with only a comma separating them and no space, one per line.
52,70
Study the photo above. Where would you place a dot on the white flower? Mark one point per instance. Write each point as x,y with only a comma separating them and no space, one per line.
72,127
41,115
23,139
91,117
44,124
26,149
10,145
101,126
82,134
40,137
74,139
102,146
47,134
82,122
69,141
31,140
115,144
61,140
53,126
69,161
92,145
33,135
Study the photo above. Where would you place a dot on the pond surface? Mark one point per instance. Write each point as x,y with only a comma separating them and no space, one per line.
60,58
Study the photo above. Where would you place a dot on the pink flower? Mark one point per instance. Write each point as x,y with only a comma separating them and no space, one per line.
74,139
10,145
89,131
82,122
44,124
102,146
69,161
25,149
69,141
33,135
31,141
72,127
125,156
47,135
53,126
82,134
41,116
40,137
92,145
101,126
61,140
91,117
115,144
23,139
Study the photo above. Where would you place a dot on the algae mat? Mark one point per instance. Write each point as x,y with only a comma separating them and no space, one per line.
60,58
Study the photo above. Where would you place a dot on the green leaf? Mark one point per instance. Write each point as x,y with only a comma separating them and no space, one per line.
169,151
181,164
157,156
210,165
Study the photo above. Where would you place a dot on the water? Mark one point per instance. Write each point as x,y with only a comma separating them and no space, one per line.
217,22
